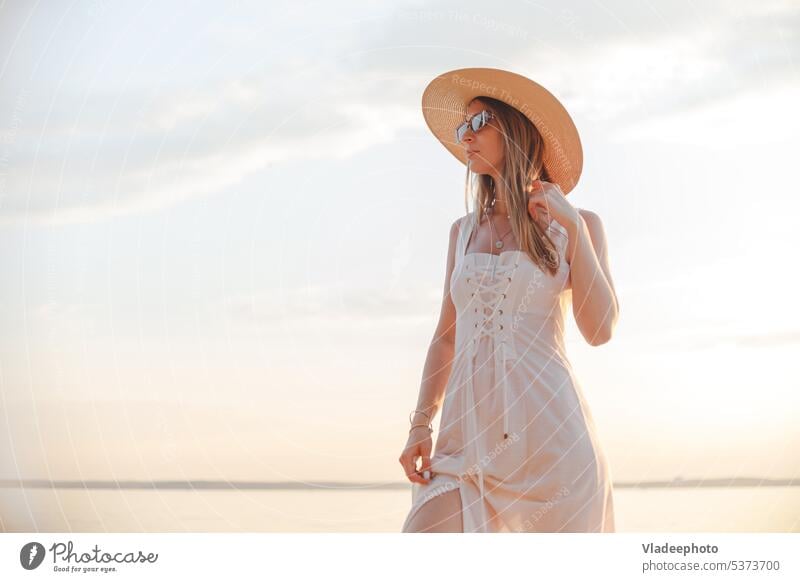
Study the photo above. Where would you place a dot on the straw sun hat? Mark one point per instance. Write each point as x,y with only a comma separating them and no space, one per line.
444,106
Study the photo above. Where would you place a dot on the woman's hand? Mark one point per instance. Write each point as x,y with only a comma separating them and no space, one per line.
546,201
419,445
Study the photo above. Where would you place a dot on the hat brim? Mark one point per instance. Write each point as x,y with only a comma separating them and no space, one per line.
444,105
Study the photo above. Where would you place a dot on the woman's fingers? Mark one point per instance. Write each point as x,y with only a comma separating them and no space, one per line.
538,206
535,201
532,208
536,185
409,463
425,470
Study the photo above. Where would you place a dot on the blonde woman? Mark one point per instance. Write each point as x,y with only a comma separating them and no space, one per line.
517,449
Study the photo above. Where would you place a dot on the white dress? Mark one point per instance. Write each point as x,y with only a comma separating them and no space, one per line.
516,436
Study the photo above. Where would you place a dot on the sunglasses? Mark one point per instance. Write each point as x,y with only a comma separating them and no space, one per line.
475,123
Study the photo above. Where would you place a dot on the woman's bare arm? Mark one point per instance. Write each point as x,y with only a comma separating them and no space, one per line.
440,353
594,299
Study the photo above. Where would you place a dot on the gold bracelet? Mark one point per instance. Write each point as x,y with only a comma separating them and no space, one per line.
429,427
410,414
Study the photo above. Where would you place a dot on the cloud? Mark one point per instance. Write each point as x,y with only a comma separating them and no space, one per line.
335,307
83,152
191,144
771,339
706,85
691,339
749,118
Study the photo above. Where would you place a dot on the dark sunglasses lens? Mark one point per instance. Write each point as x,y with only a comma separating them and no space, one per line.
477,122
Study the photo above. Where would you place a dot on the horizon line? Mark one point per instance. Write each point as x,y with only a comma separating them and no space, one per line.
206,484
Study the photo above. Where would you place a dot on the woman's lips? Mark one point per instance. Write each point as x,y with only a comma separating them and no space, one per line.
470,153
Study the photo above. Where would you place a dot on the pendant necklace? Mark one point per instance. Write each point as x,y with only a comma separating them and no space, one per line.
499,244
490,211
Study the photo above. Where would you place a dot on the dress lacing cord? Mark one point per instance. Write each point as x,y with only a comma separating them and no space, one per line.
492,323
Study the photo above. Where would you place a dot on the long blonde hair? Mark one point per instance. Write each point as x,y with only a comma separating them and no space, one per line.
522,163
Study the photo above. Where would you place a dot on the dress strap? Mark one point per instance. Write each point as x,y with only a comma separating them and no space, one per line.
464,231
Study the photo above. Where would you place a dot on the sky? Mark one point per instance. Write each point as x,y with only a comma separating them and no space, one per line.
223,230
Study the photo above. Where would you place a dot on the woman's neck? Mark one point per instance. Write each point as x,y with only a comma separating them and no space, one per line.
500,207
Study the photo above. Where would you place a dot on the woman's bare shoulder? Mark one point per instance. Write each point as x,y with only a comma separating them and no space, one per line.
588,214
456,226
593,222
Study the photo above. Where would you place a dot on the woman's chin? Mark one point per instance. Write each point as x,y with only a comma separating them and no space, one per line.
479,168
483,166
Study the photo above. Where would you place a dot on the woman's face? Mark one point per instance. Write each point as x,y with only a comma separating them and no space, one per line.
486,143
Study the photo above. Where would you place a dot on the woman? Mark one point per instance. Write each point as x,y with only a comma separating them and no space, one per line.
517,449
